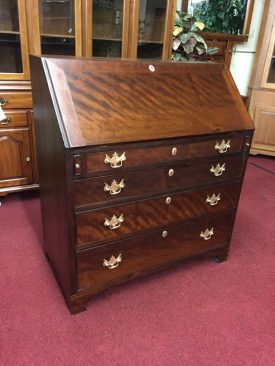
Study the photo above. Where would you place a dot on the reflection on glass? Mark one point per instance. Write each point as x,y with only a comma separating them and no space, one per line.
10,46
107,28
57,27
152,15
220,16
271,74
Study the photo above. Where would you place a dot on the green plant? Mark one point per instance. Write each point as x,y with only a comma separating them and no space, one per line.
222,16
188,43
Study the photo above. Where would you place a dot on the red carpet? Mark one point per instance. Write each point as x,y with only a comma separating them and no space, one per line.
198,314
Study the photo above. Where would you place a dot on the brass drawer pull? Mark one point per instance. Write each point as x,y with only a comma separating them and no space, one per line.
218,169
214,199
114,188
113,262
3,101
207,234
5,121
223,146
115,222
115,161
164,234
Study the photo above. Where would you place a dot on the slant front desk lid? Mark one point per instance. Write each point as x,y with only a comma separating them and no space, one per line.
105,101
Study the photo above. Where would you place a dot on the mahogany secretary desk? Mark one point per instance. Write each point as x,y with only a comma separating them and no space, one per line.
141,165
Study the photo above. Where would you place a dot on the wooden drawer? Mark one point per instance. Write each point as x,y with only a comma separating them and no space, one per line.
150,251
15,119
92,227
155,155
90,192
10,100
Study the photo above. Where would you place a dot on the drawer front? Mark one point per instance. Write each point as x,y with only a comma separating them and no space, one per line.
14,119
96,226
131,159
97,191
103,266
16,100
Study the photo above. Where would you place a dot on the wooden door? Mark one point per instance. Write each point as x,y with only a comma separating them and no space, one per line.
15,158
106,29
14,61
151,27
55,27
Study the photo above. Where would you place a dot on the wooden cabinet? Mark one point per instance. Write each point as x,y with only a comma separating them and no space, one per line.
130,182
17,158
16,127
262,86
101,28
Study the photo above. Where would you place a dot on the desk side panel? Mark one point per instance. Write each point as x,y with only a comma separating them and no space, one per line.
54,191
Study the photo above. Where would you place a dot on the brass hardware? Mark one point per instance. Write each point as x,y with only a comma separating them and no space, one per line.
164,234
223,146
113,262
214,199
3,101
218,169
168,200
5,121
115,222
114,188
77,164
207,234
247,144
171,172
174,151
28,158
152,68
115,161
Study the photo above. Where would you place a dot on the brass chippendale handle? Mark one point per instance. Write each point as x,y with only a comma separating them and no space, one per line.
114,188
223,146
218,169
207,234
112,262
115,222
214,199
115,161
5,121
3,101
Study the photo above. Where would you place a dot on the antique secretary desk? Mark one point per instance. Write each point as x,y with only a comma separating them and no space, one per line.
140,163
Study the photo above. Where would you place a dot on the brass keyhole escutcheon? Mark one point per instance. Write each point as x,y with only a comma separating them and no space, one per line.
174,151
164,234
171,172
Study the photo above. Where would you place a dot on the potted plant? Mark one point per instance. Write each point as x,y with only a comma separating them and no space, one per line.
188,43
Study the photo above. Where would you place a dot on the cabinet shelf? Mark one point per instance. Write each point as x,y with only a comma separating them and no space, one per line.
8,32
57,35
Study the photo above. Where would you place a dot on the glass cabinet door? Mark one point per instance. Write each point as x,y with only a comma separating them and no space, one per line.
106,23
151,25
57,22
13,40
268,80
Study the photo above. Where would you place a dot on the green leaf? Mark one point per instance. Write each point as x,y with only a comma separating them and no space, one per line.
177,31
184,37
200,25
176,44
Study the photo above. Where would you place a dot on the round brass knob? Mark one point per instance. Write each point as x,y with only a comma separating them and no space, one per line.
171,172
77,166
164,234
152,68
168,200
28,158
174,151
